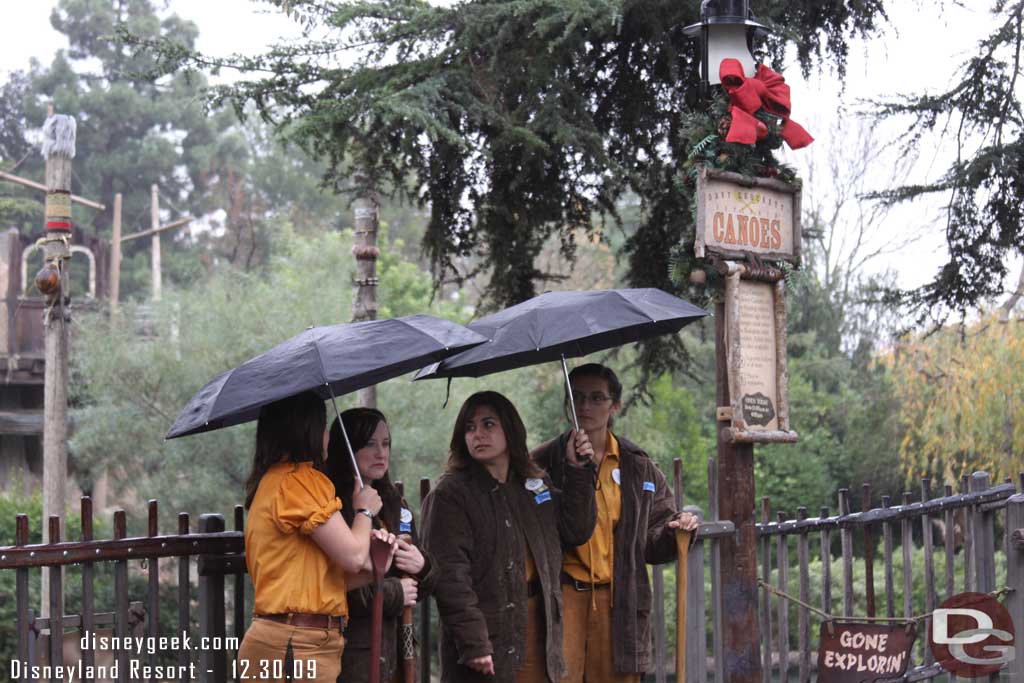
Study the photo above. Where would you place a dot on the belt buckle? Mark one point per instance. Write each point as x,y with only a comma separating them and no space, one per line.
580,586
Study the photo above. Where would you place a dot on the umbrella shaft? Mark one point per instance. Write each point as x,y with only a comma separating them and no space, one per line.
344,433
568,390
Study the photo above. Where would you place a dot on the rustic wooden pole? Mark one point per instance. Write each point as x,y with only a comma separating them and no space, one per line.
154,222
59,150
364,306
115,256
742,661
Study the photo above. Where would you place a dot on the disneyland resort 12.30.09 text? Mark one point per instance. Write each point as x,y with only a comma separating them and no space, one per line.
137,669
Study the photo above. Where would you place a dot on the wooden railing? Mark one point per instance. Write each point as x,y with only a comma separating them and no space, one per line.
217,556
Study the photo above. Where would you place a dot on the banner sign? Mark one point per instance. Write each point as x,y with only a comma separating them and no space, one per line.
755,341
738,215
852,652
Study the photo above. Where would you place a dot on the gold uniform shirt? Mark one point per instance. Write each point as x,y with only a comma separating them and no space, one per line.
592,561
289,570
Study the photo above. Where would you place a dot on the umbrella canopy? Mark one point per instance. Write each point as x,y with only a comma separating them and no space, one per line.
559,325
330,360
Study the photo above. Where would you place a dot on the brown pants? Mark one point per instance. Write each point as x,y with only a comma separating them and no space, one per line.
317,653
534,669
588,637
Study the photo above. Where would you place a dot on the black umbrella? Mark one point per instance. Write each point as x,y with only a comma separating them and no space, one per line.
559,325
330,360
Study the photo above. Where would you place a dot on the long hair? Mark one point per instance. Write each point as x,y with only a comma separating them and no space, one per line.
598,371
291,429
459,457
360,424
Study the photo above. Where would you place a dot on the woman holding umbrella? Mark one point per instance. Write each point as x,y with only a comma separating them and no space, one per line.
495,526
301,554
605,588
411,577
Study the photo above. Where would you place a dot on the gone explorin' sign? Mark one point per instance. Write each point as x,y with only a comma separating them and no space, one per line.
861,653
737,216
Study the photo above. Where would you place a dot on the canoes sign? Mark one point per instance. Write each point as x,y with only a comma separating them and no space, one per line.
738,215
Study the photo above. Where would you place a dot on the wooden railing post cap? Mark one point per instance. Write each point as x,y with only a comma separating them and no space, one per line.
211,522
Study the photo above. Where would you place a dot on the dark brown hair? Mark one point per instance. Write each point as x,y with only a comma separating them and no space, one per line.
360,424
291,429
459,457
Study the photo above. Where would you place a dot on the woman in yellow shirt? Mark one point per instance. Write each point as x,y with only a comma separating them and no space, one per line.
301,555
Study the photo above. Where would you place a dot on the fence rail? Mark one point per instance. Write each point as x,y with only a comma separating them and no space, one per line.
976,522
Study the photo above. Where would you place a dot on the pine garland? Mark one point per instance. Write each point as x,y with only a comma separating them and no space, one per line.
704,130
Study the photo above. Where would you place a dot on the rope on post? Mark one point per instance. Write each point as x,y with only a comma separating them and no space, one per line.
833,617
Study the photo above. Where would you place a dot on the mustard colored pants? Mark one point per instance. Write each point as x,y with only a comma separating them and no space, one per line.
534,669
587,628
316,653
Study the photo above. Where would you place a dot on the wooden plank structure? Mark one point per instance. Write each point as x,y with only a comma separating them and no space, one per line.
997,512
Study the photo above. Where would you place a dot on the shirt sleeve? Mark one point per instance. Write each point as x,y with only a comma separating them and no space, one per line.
304,501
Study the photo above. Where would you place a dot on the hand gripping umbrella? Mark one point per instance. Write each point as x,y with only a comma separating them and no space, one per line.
330,361
559,325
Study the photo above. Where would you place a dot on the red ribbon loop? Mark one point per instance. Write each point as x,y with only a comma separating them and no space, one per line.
766,90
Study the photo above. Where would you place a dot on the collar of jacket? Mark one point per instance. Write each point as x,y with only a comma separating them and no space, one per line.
479,475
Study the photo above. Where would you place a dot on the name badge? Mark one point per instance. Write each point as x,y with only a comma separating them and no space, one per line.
542,497
405,522
535,485
649,486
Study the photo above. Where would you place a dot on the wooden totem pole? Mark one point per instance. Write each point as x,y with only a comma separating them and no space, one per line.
53,281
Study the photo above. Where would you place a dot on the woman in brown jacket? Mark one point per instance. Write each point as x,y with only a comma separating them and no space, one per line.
496,528
605,591
411,576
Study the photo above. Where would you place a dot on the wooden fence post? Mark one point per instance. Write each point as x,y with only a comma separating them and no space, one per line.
21,593
1015,577
213,662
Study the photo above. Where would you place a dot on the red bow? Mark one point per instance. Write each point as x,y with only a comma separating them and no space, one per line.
766,90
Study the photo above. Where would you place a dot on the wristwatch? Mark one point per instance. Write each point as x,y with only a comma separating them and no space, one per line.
364,511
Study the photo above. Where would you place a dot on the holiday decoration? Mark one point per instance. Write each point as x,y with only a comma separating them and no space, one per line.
767,90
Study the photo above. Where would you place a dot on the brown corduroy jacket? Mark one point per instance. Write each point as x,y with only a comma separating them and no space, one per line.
641,537
473,528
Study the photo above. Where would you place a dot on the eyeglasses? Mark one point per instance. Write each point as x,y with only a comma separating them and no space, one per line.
597,398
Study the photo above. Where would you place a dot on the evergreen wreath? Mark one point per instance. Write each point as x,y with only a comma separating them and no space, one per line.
704,130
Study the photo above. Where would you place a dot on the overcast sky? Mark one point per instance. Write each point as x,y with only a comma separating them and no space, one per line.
918,51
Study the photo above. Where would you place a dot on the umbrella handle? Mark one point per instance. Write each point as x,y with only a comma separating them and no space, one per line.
344,433
568,390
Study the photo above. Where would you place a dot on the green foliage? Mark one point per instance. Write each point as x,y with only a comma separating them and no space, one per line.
520,120
984,187
130,388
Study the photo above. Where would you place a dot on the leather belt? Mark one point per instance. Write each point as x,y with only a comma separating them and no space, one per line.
323,621
533,588
582,586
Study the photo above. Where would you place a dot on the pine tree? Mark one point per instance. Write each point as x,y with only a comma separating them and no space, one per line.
984,227
515,121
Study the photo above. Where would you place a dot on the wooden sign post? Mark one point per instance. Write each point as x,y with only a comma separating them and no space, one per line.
749,219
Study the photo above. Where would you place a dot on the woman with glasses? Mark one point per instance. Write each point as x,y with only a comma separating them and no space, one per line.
605,589
495,526
411,575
